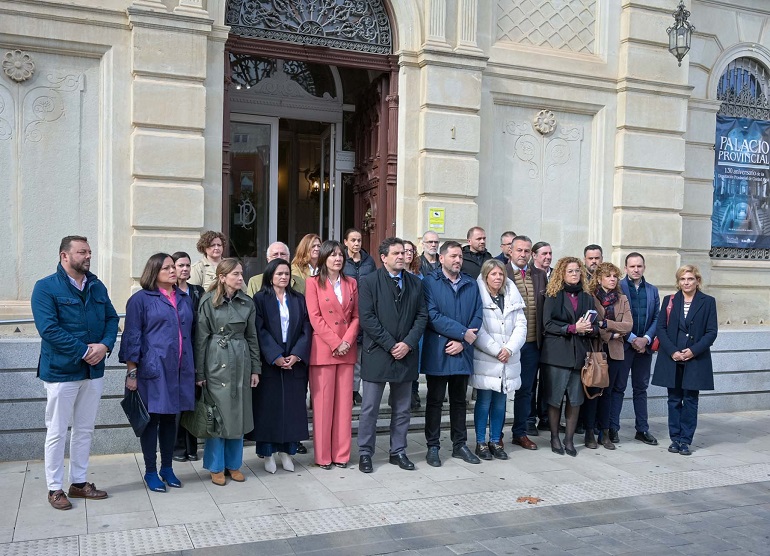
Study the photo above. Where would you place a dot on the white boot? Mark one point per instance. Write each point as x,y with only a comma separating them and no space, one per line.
270,464
286,461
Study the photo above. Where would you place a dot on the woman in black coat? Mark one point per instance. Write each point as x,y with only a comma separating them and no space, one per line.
283,329
684,358
565,343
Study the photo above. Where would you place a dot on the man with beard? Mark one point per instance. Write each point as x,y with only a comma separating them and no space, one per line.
429,258
454,316
78,326
592,257
475,253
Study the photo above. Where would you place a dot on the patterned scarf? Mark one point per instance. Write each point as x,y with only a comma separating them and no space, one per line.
608,300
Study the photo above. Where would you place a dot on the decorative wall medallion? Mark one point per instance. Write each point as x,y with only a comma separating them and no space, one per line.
359,25
544,122
544,156
18,65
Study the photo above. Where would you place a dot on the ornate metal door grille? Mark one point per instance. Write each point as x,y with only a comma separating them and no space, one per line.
358,25
743,90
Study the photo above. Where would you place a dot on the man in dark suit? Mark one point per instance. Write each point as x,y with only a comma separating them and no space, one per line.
644,301
531,283
392,316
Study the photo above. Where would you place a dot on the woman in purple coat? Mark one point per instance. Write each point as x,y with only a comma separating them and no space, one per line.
157,350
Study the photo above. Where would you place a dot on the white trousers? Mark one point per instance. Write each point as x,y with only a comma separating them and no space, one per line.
76,403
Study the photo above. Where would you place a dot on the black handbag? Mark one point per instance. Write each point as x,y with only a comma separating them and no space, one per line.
204,421
135,410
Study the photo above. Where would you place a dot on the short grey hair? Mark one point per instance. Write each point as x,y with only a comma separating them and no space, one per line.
277,244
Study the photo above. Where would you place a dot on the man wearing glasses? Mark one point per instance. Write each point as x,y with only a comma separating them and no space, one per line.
506,243
429,258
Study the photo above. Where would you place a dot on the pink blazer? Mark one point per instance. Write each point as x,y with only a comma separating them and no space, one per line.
332,323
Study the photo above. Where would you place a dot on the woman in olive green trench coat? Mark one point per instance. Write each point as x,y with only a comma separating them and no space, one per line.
227,356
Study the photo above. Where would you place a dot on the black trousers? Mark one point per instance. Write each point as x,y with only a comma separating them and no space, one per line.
160,430
434,402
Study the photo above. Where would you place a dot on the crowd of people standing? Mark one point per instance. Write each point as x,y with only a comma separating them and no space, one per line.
512,327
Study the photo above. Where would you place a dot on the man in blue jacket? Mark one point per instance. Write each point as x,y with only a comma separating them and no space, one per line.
454,316
644,300
78,326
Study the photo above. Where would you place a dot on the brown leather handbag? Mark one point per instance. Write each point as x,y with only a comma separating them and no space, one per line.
595,372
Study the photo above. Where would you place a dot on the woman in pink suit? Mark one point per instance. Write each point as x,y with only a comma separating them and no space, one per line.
332,305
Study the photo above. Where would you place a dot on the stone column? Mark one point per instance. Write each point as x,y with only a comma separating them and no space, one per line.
650,143
168,115
435,23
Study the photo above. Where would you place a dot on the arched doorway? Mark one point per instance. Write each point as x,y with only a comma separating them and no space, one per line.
310,116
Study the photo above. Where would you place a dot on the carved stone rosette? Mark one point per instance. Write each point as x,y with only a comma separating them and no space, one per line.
18,65
544,122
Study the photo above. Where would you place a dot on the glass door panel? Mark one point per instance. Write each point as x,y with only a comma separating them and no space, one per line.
252,191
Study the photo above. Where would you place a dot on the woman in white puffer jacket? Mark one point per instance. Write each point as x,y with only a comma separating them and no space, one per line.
496,367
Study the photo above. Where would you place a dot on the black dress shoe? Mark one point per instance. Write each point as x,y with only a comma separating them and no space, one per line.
402,461
674,447
192,457
614,438
365,464
647,438
301,448
432,457
179,458
497,450
357,399
532,430
684,450
570,451
464,453
482,450
557,448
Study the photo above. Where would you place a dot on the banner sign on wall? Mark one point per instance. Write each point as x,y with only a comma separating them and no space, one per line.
740,216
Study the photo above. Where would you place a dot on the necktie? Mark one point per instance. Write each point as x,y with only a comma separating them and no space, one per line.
396,281
523,274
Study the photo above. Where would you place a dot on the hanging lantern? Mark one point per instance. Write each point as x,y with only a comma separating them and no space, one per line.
680,33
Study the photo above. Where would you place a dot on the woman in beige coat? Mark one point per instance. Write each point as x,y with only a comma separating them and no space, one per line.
614,319
228,363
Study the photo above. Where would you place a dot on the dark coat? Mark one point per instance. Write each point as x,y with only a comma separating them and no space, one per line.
427,267
560,347
67,321
450,315
697,332
653,305
386,318
151,340
539,283
279,408
357,270
472,261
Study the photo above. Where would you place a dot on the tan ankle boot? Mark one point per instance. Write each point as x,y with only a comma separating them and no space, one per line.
218,478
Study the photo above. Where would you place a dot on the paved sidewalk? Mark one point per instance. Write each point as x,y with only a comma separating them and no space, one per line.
293,509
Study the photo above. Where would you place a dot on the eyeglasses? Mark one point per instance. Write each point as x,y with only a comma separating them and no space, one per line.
506,244
409,251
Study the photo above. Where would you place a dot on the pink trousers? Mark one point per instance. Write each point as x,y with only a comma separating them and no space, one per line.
331,389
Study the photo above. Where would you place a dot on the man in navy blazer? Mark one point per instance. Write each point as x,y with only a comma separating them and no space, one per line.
644,301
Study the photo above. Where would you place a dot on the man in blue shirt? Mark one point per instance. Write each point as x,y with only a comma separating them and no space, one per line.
644,301
78,326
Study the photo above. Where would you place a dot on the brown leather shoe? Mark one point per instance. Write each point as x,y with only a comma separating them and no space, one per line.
88,491
235,475
524,442
58,500
218,479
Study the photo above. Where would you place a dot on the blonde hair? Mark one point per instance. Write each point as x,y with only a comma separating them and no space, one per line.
684,269
225,267
488,266
301,258
556,283
604,269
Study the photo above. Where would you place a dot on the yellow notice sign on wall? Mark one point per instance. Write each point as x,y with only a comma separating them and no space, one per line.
436,219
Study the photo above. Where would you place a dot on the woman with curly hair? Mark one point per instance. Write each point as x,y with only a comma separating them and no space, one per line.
615,321
305,261
212,246
566,334
411,259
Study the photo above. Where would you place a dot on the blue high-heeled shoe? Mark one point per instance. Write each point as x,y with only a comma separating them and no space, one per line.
154,483
167,474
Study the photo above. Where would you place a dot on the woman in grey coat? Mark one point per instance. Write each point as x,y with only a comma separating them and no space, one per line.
227,355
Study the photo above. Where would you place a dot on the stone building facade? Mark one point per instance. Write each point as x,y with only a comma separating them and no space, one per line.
565,120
